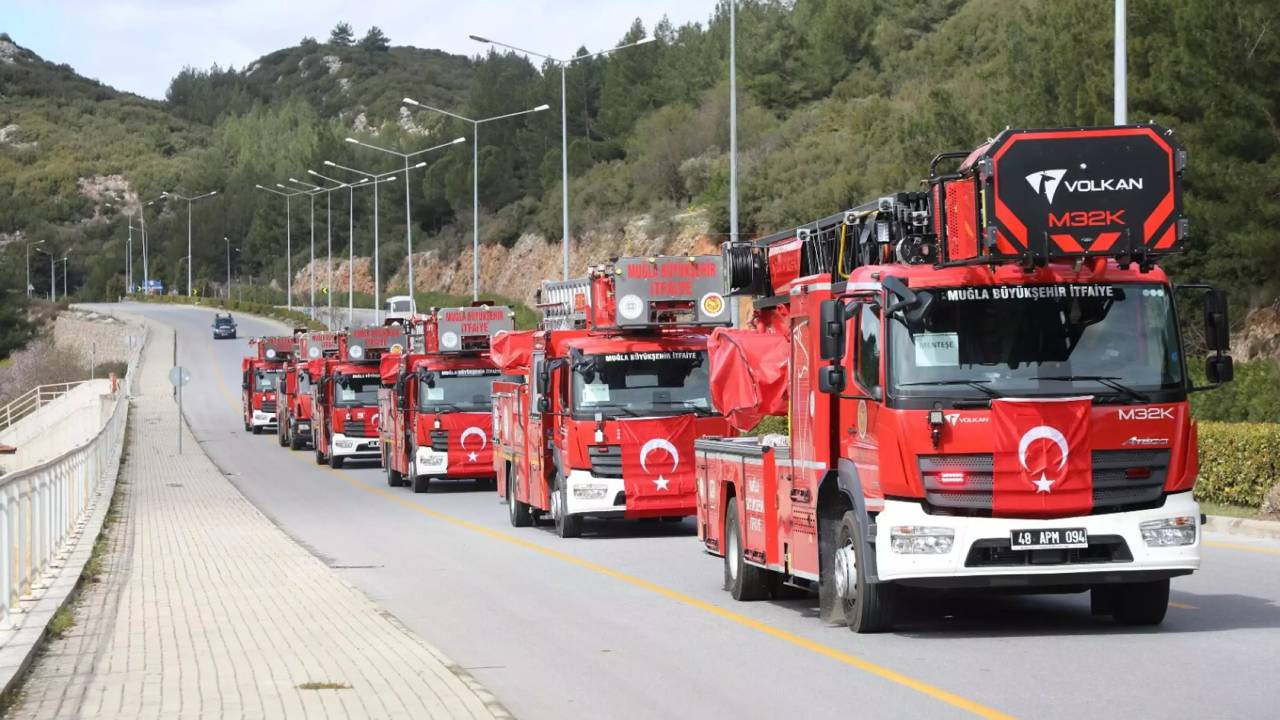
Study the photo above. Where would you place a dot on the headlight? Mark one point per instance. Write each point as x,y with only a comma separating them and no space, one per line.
590,492
921,540
1169,532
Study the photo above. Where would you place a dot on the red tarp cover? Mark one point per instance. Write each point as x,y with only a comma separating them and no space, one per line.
512,351
389,368
748,375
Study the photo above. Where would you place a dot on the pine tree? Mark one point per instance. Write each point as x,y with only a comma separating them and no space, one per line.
375,40
342,35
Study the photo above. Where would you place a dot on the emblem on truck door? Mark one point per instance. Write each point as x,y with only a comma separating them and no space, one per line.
1042,432
654,444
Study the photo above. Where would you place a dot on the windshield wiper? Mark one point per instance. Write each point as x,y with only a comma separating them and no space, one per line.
697,409
621,408
1110,381
975,384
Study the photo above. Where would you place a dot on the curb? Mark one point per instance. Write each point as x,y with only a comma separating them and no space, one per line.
1249,527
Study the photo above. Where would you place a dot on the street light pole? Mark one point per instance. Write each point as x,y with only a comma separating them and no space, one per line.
227,241
311,267
475,180
1121,99
408,217
189,201
338,185
377,180
564,126
288,239
38,242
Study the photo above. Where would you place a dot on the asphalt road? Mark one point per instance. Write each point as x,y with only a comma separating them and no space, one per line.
630,621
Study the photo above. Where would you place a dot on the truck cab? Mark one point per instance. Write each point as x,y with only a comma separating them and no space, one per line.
344,395
399,309
260,378
436,399
978,395
294,428
614,391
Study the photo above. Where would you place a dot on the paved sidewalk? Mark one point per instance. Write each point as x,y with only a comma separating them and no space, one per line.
207,609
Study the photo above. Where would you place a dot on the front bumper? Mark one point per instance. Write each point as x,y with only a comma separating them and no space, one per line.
346,447
958,569
263,419
302,428
603,496
436,464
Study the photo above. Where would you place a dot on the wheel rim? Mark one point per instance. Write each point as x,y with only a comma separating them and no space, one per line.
556,511
733,553
845,571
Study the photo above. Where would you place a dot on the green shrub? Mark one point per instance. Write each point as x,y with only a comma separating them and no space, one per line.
1253,396
1239,462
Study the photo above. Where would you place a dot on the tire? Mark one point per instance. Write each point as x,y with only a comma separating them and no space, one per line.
419,483
567,526
871,608
1142,603
744,582
282,432
247,426
320,458
517,511
295,441
336,462
394,479
257,430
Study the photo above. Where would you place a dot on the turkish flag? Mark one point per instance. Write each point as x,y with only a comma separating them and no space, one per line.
657,461
1043,465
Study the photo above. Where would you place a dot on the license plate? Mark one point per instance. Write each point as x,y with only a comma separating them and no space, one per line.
435,460
1049,539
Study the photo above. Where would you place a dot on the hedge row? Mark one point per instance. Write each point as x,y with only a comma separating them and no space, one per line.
293,318
1239,462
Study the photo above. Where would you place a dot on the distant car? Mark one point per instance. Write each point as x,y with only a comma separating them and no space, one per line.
224,327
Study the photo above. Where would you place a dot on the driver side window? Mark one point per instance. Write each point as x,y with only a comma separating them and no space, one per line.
867,359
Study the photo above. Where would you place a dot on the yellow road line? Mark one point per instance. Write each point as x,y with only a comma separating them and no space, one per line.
1182,606
1241,546
827,651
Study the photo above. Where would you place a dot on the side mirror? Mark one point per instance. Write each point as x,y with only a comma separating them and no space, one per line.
1217,330
831,379
544,404
543,379
831,341
1219,369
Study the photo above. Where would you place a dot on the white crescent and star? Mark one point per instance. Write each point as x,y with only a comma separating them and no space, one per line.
1042,432
484,440
655,444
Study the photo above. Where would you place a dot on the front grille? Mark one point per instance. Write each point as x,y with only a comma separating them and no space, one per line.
268,406
440,440
1123,480
998,553
355,429
606,460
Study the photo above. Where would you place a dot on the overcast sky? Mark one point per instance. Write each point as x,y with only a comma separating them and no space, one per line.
139,45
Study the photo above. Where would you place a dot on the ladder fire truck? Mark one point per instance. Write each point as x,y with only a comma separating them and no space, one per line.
260,376
985,384
294,426
614,393
435,399
344,395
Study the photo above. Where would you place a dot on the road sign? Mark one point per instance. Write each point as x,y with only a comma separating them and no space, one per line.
179,376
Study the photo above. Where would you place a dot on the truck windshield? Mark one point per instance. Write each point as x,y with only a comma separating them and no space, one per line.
642,383
267,380
356,392
458,391
1115,340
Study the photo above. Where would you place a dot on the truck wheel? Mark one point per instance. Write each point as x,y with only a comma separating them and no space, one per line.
257,430
419,483
247,426
867,606
336,462
567,526
743,581
517,511
394,479
320,458
1142,603
295,441
282,432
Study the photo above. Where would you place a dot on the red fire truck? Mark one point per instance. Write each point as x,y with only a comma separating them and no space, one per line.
294,426
615,392
985,384
344,395
435,400
260,375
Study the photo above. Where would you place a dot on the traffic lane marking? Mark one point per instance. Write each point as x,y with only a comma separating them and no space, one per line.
827,651
1182,606
1241,546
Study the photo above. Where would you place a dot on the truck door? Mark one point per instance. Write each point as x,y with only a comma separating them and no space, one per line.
537,438
861,402
799,476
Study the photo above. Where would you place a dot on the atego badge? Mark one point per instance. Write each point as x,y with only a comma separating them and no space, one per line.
1042,463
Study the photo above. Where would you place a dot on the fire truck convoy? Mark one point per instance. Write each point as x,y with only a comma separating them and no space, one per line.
344,395
434,404
614,393
294,426
985,384
260,376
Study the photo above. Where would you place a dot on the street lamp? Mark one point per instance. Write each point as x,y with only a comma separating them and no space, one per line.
53,287
66,261
377,180
564,125
288,239
142,217
29,244
475,183
408,218
351,222
189,201
311,191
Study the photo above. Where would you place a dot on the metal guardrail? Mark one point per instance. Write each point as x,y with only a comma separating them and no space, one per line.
43,508
33,400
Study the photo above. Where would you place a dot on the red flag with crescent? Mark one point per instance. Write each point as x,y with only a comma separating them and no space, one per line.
1043,465
657,459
